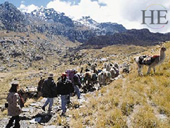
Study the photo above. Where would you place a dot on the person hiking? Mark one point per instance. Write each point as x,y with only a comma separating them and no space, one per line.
49,92
14,108
39,87
70,74
74,77
77,83
64,88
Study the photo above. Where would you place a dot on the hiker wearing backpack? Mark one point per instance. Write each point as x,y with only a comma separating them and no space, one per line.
64,88
14,108
49,92
70,74
75,78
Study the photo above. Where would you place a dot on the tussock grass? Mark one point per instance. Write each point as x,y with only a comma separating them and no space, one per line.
145,118
133,101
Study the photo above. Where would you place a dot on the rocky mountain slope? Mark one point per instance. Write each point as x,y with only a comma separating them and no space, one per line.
50,15
24,51
106,28
85,30
11,18
141,37
52,22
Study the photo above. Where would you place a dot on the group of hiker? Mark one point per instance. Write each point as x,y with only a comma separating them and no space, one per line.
68,83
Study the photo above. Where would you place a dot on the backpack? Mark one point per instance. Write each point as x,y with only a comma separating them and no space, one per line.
70,75
21,101
77,80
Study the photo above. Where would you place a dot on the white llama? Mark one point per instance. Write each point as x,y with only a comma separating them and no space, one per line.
150,61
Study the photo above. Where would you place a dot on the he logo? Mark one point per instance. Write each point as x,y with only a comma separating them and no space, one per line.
157,18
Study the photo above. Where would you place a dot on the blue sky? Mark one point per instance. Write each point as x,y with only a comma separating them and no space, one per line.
126,12
37,2
17,3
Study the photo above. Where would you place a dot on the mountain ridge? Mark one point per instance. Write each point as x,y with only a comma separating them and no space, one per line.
141,37
48,20
86,30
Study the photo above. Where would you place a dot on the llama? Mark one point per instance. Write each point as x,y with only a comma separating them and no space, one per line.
90,78
104,77
108,66
150,61
93,67
116,65
114,72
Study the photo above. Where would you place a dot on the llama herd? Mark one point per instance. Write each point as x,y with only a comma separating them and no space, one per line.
103,76
110,71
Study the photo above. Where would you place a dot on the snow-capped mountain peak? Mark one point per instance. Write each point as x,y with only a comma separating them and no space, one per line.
52,15
89,22
44,13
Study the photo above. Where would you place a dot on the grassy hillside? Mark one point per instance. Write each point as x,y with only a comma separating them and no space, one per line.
130,101
133,101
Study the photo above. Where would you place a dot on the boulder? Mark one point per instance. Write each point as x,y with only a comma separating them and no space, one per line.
15,53
38,57
2,68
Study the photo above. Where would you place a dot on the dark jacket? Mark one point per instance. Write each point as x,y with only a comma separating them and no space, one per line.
64,87
77,80
49,88
40,85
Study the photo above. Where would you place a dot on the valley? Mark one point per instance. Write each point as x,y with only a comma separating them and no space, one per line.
34,44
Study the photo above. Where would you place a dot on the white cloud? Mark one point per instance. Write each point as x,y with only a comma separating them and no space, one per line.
27,9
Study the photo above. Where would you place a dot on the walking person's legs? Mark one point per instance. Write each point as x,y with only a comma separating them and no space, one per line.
17,124
76,88
10,123
46,103
68,99
63,103
50,104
